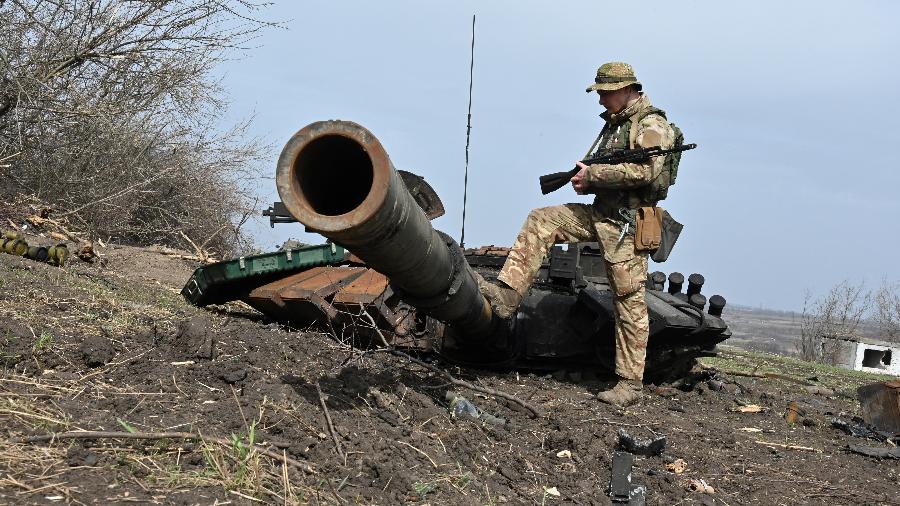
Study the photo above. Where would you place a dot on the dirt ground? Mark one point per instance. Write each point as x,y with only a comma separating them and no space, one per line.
111,346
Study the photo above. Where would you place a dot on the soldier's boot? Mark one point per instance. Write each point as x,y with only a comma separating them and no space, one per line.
624,393
503,299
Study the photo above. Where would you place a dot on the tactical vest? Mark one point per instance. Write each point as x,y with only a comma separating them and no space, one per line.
623,136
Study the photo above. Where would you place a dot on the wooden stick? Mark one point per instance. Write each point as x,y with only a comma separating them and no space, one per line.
157,435
789,447
334,437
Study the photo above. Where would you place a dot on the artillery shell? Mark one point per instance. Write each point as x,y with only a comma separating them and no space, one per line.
41,255
51,254
11,235
32,253
8,245
62,253
20,247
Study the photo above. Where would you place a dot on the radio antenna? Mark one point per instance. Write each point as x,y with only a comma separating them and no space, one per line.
462,237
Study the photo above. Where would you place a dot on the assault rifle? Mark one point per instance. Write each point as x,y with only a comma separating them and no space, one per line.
555,181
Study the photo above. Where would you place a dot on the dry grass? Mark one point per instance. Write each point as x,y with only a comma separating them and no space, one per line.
236,465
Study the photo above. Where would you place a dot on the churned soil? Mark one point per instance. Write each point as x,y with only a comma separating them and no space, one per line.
111,346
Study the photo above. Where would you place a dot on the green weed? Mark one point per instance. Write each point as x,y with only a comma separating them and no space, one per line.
424,488
43,342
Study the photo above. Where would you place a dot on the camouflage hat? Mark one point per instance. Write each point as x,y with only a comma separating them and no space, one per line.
613,76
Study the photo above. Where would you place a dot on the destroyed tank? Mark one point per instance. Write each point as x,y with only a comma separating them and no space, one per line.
387,277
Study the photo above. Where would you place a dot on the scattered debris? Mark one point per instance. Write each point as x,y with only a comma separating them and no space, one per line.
881,404
621,488
699,485
647,447
817,390
460,406
552,491
678,466
750,429
715,385
750,408
565,454
86,253
12,243
859,428
792,413
881,453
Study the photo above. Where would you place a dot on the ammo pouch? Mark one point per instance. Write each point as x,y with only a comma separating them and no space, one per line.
669,232
648,228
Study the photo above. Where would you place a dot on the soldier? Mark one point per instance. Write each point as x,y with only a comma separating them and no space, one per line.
620,189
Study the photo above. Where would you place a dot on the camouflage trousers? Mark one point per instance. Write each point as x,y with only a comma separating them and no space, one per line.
625,268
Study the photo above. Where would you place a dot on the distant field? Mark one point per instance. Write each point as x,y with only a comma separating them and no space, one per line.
765,330
771,330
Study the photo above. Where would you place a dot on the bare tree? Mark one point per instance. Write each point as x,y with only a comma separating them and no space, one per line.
827,321
109,112
887,311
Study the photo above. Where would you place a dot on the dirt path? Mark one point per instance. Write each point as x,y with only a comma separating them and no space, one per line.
115,348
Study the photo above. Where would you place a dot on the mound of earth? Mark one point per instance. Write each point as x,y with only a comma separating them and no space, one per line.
179,405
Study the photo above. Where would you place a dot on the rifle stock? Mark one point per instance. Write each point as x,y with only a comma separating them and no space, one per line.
552,182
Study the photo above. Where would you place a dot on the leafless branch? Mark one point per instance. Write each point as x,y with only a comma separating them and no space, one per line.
109,113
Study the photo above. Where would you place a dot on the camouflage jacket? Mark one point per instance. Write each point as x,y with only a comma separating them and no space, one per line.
619,186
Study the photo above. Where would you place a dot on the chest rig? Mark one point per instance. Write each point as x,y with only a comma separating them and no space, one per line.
618,137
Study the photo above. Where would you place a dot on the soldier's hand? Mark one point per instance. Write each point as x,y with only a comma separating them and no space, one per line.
578,180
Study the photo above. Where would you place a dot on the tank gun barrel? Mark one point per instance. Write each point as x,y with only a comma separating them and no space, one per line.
336,178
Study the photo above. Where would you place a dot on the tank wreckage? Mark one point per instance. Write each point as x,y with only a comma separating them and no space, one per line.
387,275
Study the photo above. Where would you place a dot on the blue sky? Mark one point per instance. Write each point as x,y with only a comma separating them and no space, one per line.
793,186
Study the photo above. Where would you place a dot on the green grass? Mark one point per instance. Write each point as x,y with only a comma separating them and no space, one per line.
424,488
736,360
43,342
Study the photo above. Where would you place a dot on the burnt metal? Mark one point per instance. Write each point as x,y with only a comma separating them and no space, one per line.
676,281
880,404
336,178
620,478
648,447
303,297
621,488
879,453
716,305
557,323
698,300
859,428
410,280
695,284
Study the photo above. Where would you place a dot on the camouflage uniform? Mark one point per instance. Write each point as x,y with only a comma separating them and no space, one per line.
618,193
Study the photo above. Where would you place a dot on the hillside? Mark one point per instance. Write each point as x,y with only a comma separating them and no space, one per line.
221,406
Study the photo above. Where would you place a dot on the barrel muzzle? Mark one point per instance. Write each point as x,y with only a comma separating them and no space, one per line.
336,178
